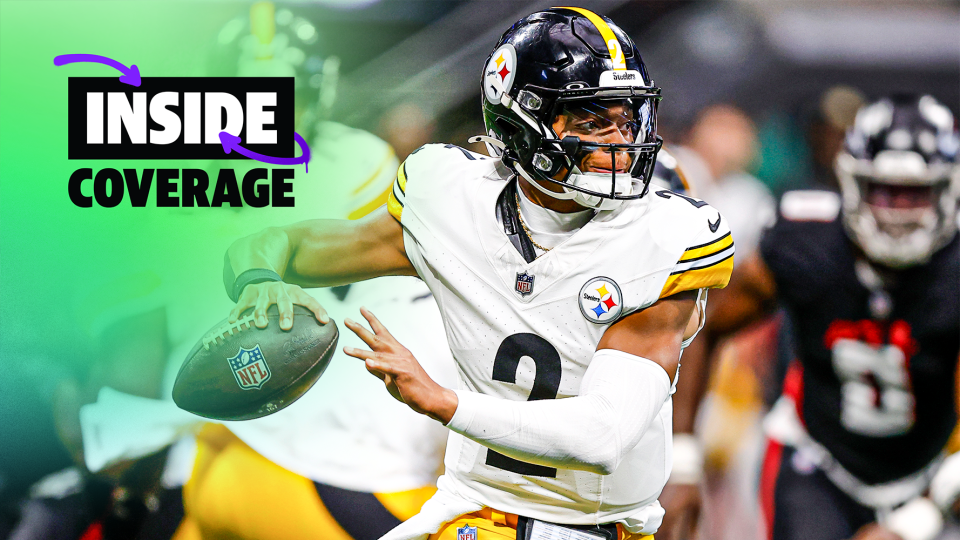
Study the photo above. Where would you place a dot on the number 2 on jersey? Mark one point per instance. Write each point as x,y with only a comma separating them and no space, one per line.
546,384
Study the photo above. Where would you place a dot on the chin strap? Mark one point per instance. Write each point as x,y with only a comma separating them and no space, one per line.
500,147
490,141
507,215
566,196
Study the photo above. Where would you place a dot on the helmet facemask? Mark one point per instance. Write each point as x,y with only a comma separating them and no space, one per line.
599,147
898,209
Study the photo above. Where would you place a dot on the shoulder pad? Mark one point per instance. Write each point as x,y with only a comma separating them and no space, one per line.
707,257
444,151
810,205
429,169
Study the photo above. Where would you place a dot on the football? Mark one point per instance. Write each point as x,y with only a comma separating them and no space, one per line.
239,372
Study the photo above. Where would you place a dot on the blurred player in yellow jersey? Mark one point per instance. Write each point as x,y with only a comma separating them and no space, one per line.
347,461
326,467
316,468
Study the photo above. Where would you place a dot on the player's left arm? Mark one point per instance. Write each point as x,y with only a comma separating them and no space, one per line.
656,332
622,392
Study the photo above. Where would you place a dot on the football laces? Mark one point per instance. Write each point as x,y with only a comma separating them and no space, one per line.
227,329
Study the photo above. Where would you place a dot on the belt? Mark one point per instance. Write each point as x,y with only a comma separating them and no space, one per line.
498,517
612,531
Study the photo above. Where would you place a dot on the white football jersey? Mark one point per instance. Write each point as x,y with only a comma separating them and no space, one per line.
522,331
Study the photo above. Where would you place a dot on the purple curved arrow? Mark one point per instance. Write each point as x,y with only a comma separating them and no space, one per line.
131,75
232,142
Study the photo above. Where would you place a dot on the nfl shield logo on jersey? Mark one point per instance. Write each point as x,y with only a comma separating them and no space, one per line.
466,533
525,283
250,368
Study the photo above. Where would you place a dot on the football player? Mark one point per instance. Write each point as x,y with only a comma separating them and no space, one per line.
346,462
566,284
870,279
343,452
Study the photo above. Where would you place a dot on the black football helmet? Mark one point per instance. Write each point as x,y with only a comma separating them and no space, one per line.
900,179
574,64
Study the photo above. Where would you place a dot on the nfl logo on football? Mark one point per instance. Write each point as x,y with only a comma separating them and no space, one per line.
525,283
250,368
466,533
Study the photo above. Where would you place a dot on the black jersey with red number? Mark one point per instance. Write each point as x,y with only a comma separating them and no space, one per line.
877,393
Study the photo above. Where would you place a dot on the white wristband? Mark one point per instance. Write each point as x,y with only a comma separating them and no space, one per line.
945,487
687,460
919,519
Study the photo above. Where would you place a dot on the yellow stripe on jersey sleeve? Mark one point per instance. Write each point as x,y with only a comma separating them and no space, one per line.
715,276
703,266
703,250
398,193
394,206
402,177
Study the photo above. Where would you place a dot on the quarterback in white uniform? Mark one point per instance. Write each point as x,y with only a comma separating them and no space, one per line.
566,284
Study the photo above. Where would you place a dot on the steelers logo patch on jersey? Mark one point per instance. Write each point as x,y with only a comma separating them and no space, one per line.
499,73
601,300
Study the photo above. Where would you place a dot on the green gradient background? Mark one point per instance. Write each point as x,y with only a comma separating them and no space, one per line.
52,253
49,248
47,244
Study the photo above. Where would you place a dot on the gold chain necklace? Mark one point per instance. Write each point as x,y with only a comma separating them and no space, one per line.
524,225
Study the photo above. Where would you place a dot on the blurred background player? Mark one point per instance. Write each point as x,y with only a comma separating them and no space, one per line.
870,279
331,437
345,461
719,148
123,317
718,151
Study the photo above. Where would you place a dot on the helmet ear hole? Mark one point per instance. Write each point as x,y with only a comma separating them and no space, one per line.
511,133
508,129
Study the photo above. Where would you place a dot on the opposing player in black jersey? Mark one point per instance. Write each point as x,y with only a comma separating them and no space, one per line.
870,279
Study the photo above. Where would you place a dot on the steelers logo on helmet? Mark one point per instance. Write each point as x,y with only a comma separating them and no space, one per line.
600,300
499,74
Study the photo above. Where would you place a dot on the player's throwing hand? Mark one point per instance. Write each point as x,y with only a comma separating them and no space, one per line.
396,366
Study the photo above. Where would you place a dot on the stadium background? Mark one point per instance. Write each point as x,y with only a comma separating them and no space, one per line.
774,60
